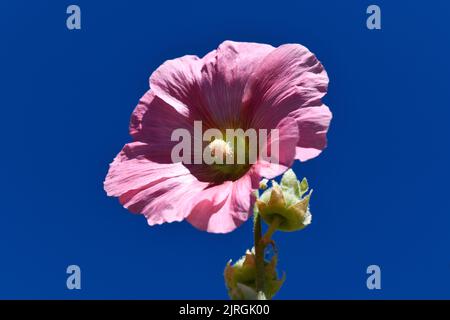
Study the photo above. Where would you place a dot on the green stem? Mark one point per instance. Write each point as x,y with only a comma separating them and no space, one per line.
272,228
259,256
260,245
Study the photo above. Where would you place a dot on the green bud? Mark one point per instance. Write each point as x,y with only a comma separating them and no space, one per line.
289,181
263,184
286,203
303,186
240,278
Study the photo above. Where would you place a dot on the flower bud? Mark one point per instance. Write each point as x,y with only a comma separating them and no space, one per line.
285,203
240,278
263,184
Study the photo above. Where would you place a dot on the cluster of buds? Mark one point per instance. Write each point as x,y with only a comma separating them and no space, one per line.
284,207
240,278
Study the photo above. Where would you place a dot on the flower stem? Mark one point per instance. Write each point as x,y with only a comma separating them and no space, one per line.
259,256
260,245
272,228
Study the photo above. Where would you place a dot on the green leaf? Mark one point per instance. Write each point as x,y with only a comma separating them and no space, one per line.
303,186
289,179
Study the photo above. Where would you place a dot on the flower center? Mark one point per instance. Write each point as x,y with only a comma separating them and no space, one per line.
228,157
220,150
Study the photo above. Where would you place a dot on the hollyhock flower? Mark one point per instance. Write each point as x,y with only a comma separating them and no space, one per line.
238,85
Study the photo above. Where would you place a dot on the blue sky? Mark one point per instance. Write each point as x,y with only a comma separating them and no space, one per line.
380,187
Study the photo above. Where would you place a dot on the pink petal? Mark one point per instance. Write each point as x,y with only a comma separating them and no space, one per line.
287,141
132,169
211,211
224,207
242,194
224,77
167,200
313,123
288,78
176,82
153,122
212,88
162,192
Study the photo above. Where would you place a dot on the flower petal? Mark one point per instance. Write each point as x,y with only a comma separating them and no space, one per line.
224,77
153,121
222,208
211,88
162,192
288,137
313,123
288,78
132,169
212,210
176,82
167,200
243,196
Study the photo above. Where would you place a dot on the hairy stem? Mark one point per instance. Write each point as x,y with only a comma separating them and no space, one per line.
272,228
259,256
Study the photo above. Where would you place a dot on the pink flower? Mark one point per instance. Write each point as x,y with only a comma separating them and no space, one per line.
239,85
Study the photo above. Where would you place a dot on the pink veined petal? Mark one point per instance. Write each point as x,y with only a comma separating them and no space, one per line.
289,78
131,170
222,221
313,124
212,88
167,200
176,82
211,211
242,194
224,77
154,121
287,140
162,192
222,208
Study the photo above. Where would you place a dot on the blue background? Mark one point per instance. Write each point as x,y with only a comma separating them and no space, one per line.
381,187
